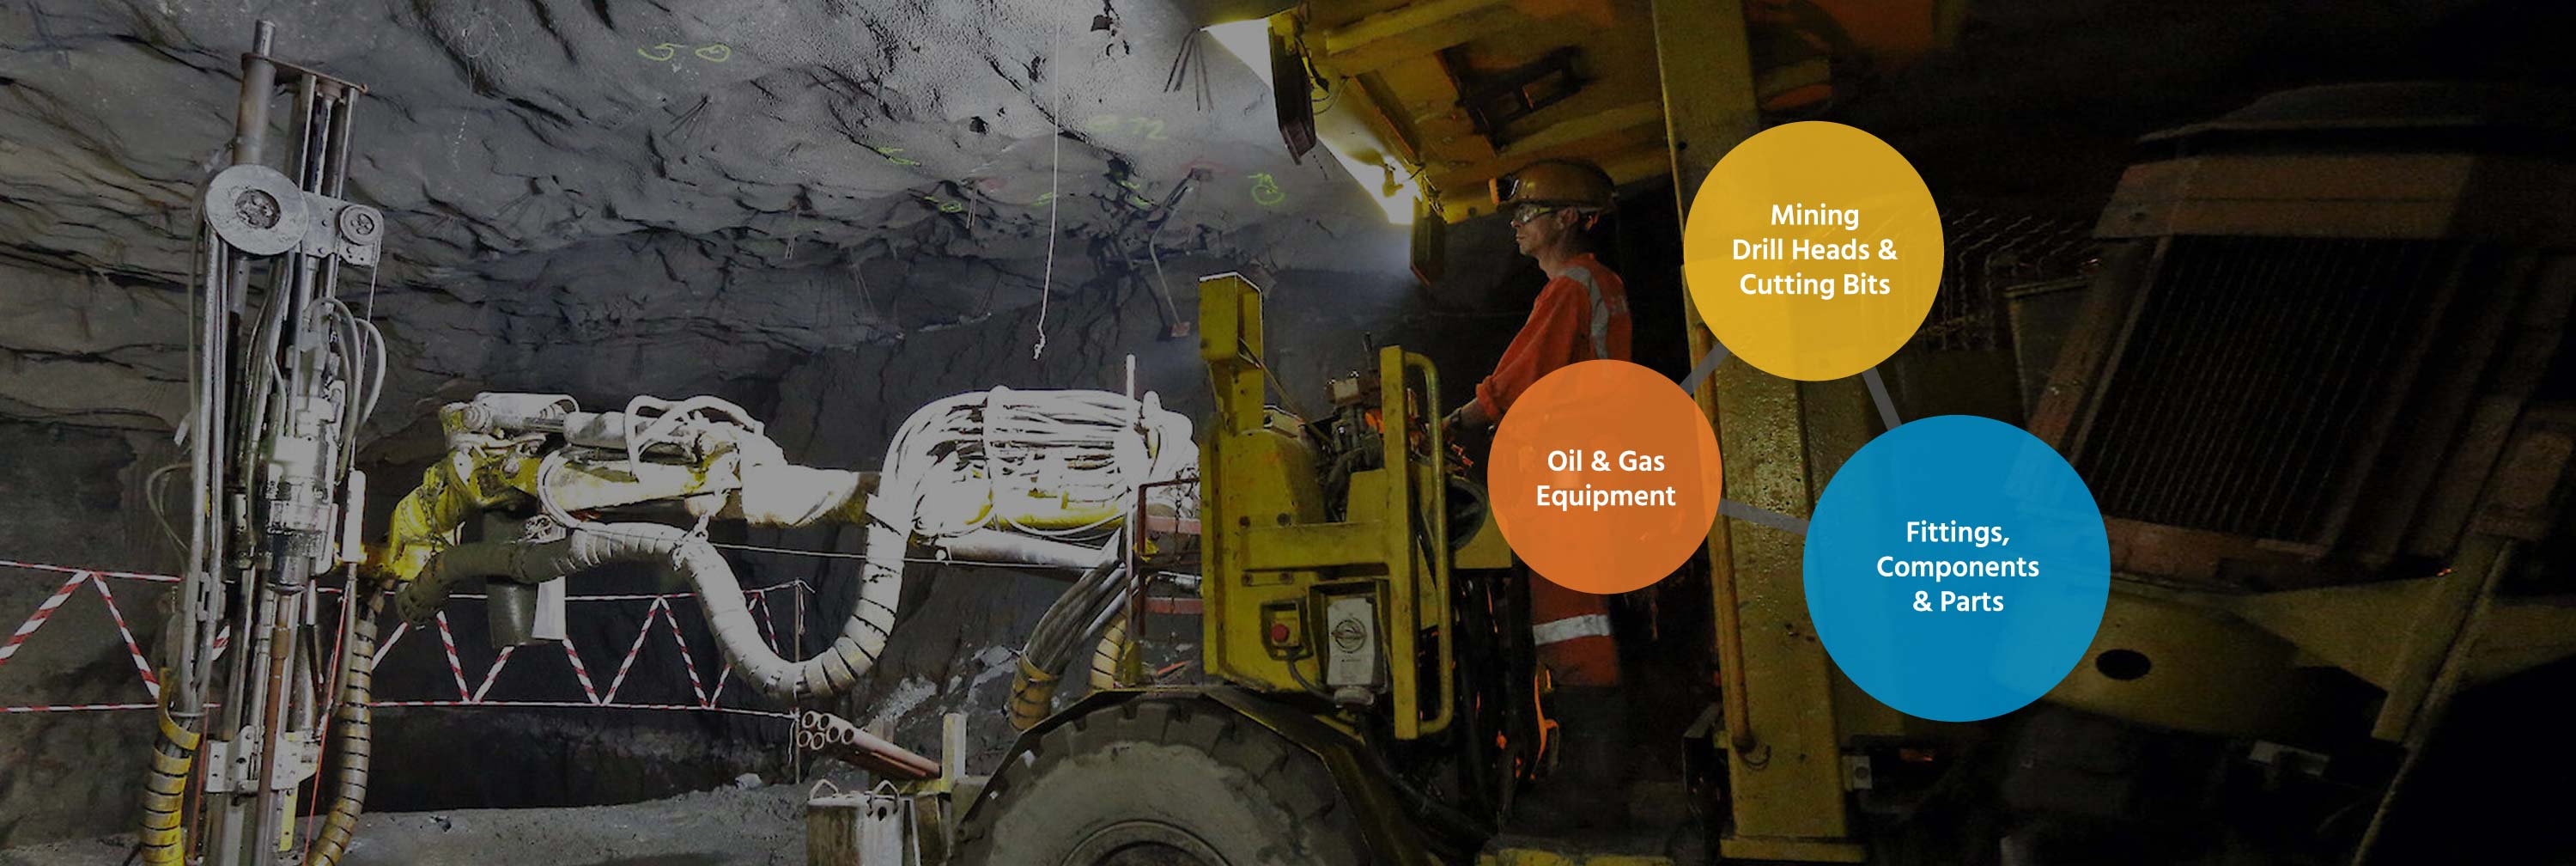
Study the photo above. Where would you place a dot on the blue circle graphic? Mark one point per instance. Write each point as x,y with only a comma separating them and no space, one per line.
1956,568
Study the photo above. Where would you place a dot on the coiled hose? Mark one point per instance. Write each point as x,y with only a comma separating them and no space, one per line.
1106,658
719,595
165,794
1069,624
1026,477
355,740
1032,695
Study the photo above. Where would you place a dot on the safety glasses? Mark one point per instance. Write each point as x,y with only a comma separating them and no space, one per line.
1528,213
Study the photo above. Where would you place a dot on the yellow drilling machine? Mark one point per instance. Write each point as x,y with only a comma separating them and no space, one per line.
1364,707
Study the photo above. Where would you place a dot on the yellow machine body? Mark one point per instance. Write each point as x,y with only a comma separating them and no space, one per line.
1273,563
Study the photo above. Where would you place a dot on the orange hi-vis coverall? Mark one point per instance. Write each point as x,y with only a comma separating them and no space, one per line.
1581,315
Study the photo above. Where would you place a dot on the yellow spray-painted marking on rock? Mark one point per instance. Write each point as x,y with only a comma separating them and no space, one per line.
1265,189
714,52
1147,128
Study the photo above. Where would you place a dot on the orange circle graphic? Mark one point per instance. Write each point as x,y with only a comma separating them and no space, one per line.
1604,476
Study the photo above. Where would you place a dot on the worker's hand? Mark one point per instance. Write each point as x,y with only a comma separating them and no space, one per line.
1470,417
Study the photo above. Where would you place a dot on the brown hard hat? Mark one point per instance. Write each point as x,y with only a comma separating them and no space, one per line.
1559,182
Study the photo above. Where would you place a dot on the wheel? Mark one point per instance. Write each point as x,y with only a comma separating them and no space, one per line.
1162,782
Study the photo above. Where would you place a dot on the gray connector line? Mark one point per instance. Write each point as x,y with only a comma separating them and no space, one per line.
1717,354
1756,514
1878,394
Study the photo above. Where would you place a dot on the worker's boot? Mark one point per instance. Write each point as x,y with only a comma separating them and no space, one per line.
1572,640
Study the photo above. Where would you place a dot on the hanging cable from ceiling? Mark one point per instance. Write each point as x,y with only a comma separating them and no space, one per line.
1189,69
1055,176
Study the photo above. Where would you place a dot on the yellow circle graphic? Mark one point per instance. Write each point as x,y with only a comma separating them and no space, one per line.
1813,251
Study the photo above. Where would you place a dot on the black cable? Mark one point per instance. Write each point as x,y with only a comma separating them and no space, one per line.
1300,675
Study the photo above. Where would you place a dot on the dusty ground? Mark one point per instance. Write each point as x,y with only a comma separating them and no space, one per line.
762,825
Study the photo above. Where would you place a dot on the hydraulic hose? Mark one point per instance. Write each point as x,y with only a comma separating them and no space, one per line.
164,839
999,477
1083,611
355,740
1106,657
778,495
719,595
1032,695
165,794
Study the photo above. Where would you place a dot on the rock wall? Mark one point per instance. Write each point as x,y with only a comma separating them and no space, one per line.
73,496
589,194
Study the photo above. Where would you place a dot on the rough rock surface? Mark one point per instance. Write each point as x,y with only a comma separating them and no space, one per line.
618,198
73,496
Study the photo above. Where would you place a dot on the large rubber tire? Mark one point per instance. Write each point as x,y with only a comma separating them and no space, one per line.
1163,782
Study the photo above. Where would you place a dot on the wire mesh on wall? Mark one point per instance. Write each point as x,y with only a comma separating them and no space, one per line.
1990,252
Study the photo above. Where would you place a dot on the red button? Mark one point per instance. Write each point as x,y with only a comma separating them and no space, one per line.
1279,632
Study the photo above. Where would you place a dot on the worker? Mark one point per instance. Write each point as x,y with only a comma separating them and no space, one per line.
1556,209
1582,314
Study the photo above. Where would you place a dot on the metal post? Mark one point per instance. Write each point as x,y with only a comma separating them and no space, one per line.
1781,742
259,82
1126,666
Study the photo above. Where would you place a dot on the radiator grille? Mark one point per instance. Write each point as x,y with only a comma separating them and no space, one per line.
2269,356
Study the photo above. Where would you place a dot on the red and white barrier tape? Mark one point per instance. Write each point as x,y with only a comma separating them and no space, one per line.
628,665
447,641
579,705
493,675
65,569
581,673
474,696
688,662
77,708
150,683
44,612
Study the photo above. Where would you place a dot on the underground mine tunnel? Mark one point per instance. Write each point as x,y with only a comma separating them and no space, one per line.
1123,434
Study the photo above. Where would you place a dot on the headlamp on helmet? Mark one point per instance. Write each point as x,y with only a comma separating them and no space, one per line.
1556,183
